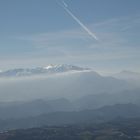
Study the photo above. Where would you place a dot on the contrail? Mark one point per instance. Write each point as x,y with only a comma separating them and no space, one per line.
78,21
64,4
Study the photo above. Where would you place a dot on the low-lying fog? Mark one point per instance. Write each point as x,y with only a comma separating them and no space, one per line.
69,85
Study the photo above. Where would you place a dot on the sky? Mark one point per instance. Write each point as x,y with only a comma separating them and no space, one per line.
40,32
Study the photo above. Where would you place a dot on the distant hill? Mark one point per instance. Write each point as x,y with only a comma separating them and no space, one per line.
127,75
104,114
103,99
26,109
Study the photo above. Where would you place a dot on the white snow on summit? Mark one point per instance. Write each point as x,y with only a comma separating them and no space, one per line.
50,69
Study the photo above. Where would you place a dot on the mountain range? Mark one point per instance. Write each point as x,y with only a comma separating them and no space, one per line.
50,69
104,114
62,68
58,81
24,109
61,94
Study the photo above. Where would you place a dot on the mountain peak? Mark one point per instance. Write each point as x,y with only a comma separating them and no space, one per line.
49,69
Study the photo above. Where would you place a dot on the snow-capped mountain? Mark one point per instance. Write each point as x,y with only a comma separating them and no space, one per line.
50,69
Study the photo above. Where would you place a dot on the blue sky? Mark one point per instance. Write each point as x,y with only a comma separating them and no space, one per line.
40,32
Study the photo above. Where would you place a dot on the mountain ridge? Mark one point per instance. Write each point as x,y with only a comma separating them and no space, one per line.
127,75
104,114
49,69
